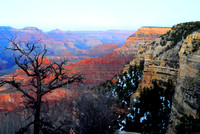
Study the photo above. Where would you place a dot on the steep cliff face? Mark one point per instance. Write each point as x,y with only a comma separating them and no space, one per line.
142,35
187,96
162,56
174,56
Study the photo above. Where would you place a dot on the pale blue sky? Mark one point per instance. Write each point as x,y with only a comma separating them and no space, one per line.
97,14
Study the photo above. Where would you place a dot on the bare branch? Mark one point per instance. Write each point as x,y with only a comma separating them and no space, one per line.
24,129
41,78
15,84
61,83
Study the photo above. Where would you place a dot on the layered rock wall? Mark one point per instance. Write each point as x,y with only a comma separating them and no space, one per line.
142,35
187,93
174,56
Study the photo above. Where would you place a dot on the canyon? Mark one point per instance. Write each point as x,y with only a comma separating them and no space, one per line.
59,42
169,54
95,70
98,70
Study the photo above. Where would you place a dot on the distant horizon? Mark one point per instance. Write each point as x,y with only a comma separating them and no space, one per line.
96,15
65,30
51,29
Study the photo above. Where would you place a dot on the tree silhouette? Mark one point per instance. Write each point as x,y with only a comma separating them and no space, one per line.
41,78
150,113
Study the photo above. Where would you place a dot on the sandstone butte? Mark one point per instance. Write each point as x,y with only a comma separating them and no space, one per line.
143,35
178,62
94,70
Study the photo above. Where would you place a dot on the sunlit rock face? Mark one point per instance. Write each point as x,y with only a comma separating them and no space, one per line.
142,35
12,101
99,69
175,56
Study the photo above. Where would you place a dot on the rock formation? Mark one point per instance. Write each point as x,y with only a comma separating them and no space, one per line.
99,69
142,35
175,56
187,96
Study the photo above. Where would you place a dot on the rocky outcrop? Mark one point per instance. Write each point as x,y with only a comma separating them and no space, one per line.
161,57
187,96
142,35
175,56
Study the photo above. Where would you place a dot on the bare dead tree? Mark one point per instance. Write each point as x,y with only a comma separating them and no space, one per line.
41,77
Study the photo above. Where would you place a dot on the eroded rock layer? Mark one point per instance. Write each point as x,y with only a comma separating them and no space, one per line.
187,96
175,56
142,35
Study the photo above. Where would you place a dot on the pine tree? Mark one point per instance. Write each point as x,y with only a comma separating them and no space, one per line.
151,111
126,86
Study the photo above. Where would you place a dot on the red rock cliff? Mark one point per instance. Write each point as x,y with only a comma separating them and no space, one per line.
143,35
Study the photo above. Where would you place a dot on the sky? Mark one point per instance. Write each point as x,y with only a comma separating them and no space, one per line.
97,14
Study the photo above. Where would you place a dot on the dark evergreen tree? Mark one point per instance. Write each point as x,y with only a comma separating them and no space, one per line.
151,111
128,83
126,86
